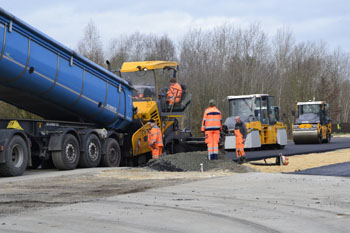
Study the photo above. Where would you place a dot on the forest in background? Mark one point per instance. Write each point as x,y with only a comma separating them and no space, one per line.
229,60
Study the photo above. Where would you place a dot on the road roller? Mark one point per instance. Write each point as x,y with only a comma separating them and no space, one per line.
312,123
262,119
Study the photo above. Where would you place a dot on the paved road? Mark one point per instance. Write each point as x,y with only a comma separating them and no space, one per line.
250,202
340,169
292,149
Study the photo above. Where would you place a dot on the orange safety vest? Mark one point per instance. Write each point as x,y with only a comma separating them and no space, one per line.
175,90
212,119
155,138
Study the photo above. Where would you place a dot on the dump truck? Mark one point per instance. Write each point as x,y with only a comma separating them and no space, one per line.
87,114
261,118
312,123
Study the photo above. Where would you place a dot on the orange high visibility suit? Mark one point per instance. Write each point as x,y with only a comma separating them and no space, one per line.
155,141
174,93
211,125
240,133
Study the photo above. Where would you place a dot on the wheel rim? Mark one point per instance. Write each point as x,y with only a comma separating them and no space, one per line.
93,151
113,154
17,155
71,154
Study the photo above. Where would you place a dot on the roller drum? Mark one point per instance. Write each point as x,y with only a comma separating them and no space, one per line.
306,136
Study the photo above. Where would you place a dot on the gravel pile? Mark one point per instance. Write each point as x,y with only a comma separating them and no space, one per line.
191,161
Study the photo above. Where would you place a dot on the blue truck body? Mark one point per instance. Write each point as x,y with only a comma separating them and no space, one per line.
44,77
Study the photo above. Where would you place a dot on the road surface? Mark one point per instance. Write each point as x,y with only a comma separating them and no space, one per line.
249,202
292,149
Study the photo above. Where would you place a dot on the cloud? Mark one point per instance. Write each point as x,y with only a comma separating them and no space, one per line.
65,20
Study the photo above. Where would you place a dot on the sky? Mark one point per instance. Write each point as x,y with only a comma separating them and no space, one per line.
65,20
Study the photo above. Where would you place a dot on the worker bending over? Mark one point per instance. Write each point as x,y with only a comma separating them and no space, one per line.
174,92
212,125
241,134
155,139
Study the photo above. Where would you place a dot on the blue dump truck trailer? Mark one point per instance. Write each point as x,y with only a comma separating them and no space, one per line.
88,115
86,109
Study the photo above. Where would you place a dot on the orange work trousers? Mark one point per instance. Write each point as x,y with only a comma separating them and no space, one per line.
212,139
157,152
239,144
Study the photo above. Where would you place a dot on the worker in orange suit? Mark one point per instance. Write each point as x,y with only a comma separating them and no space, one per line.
174,92
212,125
155,139
241,134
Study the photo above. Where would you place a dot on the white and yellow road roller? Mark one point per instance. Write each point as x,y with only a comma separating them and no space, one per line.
312,124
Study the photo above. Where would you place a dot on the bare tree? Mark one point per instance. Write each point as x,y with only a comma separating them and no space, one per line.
90,45
141,47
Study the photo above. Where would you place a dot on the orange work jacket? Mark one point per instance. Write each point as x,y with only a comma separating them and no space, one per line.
212,119
155,138
175,90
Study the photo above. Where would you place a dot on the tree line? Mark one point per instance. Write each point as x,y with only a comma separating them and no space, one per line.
229,60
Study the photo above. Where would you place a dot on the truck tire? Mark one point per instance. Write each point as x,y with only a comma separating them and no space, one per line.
91,156
68,158
16,155
113,155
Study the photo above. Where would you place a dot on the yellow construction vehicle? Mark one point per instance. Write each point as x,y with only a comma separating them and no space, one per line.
150,80
261,118
312,124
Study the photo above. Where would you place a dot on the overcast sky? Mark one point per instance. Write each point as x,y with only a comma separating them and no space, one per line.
65,20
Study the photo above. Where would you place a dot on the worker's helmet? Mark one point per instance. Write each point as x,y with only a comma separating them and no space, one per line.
173,80
212,103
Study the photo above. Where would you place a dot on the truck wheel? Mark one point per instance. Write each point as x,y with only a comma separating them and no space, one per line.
68,158
91,156
16,155
113,155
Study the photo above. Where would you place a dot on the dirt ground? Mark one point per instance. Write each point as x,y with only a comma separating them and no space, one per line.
19,196
46,192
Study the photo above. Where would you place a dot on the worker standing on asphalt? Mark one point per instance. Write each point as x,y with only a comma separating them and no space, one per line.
241,134
155,139
174,92
211,125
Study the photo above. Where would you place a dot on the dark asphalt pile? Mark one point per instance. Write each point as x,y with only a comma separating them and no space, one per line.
191,161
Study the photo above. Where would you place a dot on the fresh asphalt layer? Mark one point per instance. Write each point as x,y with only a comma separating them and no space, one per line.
248,202
340,169
293,149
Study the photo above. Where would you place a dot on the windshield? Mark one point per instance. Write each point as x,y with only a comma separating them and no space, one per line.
309,108
241,107
308,113
145,84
